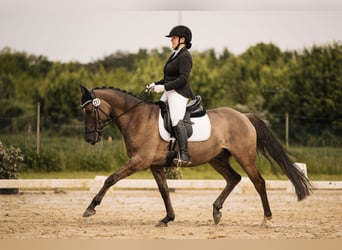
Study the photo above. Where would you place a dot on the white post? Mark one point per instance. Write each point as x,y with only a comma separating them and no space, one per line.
301,167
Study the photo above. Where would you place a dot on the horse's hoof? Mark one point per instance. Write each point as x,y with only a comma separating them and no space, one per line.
89,212
161,224
264,222
217,217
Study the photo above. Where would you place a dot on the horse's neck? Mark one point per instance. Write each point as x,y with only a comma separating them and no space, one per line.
124,106
133,116
118,100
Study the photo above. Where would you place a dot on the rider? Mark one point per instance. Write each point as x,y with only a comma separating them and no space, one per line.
176,88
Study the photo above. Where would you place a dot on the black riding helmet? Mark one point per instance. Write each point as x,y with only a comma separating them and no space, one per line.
182,31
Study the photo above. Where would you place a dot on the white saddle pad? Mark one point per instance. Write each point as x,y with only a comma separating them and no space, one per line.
201,129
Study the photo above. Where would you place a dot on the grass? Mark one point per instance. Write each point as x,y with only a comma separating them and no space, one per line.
319,160
323,163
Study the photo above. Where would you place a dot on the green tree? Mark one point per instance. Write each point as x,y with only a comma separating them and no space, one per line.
314,94
62,96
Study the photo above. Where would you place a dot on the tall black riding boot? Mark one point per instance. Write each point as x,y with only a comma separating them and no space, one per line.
182,139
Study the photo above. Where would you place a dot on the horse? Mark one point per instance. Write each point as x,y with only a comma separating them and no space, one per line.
233,134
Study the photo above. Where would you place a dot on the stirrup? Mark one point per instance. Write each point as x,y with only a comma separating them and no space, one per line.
180,163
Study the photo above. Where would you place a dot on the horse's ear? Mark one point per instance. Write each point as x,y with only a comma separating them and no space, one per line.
84,90
86,94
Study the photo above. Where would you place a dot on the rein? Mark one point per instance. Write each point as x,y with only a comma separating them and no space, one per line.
125,112
96,102
110,119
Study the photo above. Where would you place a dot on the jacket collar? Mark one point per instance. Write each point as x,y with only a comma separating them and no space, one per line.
178,52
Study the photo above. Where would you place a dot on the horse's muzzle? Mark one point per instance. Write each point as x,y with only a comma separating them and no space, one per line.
90,141
92,138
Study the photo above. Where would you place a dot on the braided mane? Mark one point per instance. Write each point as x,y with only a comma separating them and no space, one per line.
143,96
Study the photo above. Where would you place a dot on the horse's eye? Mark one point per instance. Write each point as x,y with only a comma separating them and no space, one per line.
88,111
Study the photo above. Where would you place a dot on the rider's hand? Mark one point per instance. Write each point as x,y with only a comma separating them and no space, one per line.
149,87
159,88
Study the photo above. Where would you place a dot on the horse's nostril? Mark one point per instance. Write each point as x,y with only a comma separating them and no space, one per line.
90,141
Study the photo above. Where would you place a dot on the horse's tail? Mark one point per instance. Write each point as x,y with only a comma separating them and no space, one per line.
269,145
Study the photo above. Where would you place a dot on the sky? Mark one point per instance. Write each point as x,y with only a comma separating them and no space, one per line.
86,30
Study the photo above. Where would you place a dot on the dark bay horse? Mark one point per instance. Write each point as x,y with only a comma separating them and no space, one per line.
232,134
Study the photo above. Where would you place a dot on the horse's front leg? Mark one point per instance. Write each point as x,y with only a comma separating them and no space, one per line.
128,169
159,176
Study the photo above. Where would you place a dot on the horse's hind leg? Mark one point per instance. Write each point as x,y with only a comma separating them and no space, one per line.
259,183
221,165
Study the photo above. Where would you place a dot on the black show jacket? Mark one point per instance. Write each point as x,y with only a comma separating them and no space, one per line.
177,73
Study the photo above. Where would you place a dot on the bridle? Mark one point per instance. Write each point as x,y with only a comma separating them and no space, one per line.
99,125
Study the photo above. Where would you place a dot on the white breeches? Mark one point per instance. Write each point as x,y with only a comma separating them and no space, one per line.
177,105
